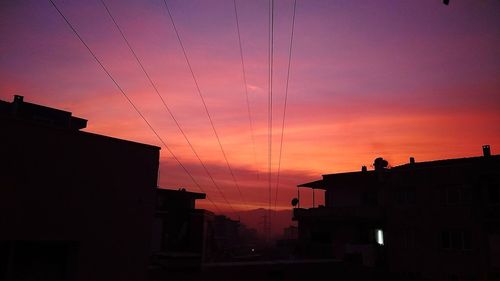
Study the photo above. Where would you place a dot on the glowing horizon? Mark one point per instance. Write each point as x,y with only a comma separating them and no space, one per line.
392,79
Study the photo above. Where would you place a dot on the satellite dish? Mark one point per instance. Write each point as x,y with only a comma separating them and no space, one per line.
295,202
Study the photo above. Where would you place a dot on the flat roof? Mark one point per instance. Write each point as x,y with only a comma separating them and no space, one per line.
314,184
181,192
120,140
28,123
447,162
361,175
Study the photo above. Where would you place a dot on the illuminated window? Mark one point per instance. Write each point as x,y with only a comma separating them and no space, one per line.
379,236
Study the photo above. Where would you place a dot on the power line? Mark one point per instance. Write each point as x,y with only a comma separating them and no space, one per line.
203,100
285,103
165,104
131,102
270,109
245,80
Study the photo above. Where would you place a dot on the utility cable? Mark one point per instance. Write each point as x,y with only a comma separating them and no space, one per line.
203,100
131,102
285,103
245,81
167,108
270,109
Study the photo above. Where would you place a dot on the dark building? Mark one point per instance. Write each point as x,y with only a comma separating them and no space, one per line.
290,233
181,233
73,205
286,246
226,240
436,220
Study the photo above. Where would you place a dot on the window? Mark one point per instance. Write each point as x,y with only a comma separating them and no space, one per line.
408,238
456,240
40,260
4,258
468,195
379,236
321,237
494,194
370,198
455,195
407,196
466,240
445,239
365,235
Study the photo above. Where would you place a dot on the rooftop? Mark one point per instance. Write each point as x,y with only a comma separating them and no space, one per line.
30,114
19,109
181,193
448,162
363,175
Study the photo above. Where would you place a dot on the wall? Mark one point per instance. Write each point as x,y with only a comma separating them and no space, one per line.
92,191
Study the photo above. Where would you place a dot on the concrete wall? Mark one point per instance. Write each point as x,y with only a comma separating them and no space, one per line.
91,190
433,213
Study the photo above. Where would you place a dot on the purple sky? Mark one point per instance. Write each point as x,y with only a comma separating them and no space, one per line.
368,79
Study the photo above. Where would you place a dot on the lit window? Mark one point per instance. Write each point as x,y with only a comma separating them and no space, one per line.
379,236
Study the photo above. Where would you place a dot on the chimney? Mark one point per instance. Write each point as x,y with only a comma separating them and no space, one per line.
16,104
380,164
412,160
18,98
486,150
363,169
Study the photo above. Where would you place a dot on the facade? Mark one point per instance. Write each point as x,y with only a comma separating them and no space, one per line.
226,240
73,205
286,246
437,220
181,233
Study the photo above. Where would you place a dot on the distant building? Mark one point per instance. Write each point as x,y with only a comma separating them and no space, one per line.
181,233
226,238
73,205
436,220
286,245
291,232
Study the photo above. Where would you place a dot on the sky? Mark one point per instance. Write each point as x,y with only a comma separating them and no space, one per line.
368,78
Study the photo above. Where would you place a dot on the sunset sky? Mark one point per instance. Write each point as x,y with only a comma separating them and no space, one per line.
368,79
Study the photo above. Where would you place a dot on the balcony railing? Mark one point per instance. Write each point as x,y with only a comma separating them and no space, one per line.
339,213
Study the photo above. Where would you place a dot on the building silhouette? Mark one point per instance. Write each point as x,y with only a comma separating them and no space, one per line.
73,205
82,206
181,233
435,220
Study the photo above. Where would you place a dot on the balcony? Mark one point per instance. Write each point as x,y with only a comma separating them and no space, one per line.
357,213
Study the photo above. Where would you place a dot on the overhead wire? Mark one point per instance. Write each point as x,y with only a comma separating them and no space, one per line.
285,103
270,110
131,102
203,101
167,108
245,80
